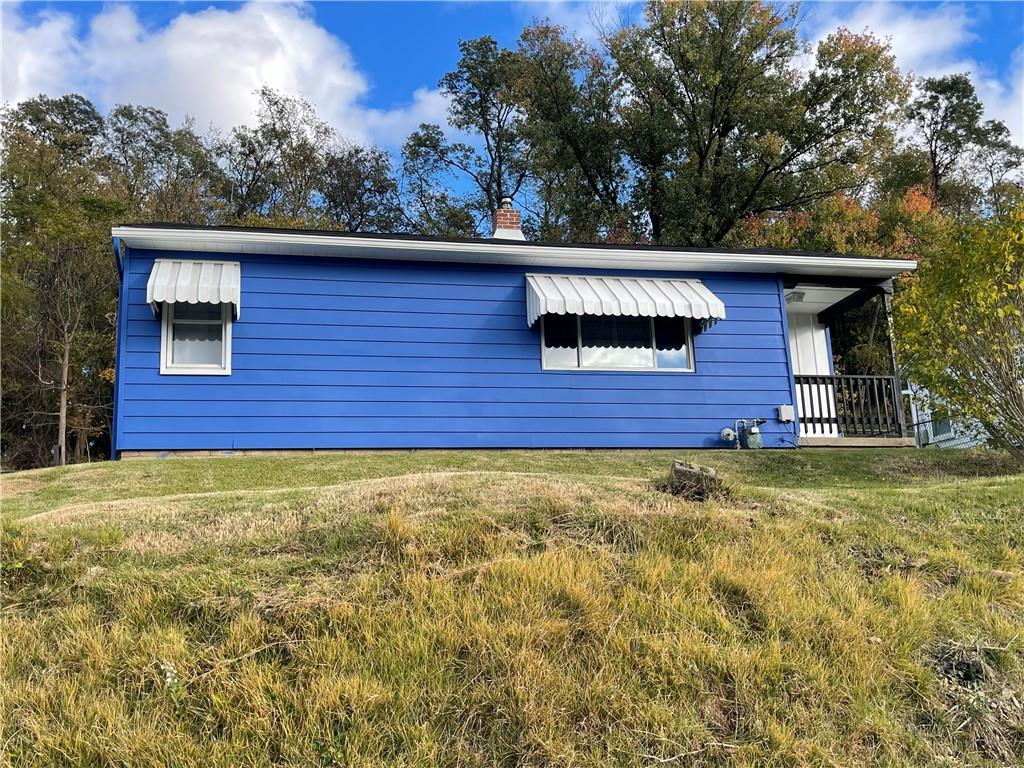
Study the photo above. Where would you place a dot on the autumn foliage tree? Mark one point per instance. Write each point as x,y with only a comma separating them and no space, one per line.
896,227
960,326
754,132
59,283
961,151
703,114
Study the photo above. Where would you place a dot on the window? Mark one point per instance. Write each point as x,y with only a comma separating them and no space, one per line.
605,342
942,424
561,341
615,342
196,339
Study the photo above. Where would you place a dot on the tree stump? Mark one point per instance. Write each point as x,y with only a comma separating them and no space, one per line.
694,482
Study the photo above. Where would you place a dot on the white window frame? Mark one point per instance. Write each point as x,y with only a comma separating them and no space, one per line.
167,368
652,368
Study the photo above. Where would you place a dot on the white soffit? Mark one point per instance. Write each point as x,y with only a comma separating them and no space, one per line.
630,296
184,281
815,298
508,252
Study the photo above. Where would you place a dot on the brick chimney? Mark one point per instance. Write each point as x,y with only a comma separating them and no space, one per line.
507,222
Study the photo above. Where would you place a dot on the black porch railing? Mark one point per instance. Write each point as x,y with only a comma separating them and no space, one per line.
850,406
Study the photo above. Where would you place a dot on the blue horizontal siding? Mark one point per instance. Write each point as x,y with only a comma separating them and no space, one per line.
566,381
419,274
427,422
462,363
438,439
350,354
259,288
523,336
198,393
446,409
374,303
406,315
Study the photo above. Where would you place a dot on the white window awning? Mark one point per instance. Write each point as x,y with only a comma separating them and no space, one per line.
630,296
182,281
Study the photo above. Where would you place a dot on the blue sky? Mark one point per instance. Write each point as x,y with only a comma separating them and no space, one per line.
371,68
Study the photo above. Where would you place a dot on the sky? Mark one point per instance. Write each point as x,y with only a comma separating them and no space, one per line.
371,68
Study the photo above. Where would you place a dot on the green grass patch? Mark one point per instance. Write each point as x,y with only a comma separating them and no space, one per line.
515,608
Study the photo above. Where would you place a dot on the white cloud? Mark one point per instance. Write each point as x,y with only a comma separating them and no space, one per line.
586,20
928,41
391,127
923,39
205,64
1004,97
35,58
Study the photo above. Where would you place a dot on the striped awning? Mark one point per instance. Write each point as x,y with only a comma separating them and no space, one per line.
181,281
631,296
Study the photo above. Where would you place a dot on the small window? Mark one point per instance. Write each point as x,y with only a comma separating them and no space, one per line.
942,425
196,339
601,342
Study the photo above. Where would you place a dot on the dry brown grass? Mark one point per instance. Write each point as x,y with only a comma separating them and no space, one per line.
469,615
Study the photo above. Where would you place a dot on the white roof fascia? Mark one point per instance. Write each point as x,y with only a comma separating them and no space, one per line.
504,253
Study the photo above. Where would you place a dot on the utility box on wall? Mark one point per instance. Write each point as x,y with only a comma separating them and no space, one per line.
786,413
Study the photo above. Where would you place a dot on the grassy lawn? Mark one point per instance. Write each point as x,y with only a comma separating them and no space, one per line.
515,608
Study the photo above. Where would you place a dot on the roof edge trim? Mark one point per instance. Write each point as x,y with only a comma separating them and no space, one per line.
290,243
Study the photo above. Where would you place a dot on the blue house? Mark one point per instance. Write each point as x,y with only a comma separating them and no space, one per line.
240,339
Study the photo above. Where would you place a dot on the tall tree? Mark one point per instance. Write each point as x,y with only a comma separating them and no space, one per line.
997,162
568,96
973,167
359,193
427,205
495,161
189,181
160,173
273,168
59,285
749,130
947,115
292,169
138,141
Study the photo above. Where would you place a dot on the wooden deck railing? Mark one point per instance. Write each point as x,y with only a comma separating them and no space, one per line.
850,406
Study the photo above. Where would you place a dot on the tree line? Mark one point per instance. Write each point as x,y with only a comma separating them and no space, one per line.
701,124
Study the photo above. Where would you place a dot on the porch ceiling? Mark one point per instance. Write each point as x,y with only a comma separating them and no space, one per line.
815,298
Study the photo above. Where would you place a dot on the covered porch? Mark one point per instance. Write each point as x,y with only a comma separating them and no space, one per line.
840,409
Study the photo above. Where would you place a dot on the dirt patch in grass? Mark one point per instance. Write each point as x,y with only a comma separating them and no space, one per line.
885,560
982,695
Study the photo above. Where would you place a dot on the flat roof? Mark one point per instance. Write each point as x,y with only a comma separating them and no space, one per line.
404,247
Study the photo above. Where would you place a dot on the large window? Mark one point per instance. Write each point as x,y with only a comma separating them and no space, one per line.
613,343
196,339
